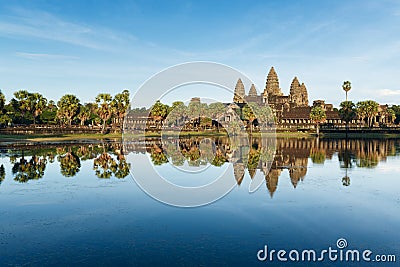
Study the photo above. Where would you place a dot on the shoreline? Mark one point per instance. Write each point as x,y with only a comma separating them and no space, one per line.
4,138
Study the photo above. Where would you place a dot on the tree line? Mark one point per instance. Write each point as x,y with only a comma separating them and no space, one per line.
31,108
365,111
199,115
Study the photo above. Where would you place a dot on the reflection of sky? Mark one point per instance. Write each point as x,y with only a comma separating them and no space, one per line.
58,220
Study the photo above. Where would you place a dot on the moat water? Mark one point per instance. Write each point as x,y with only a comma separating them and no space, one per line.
77,204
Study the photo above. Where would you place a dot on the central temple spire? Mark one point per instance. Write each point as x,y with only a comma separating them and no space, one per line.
272,84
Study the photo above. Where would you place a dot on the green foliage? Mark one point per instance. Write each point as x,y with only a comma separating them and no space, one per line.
391,114
5,120
347,111
159,111
105,165
177,113
318,156
70,164
120,105
85,111
367,109
250,112
105,109
68,107
2,101
317,115
396,110
346,86
33,169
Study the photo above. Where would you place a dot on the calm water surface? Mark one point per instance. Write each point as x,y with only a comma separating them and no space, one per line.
76,204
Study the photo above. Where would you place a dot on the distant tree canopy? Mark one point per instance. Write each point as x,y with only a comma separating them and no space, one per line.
367,109
318,116
30,108
347,111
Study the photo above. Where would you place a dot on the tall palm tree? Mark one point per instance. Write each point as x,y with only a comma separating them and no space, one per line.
2,101
346,87
68,106
120,105
216,110
104,109
38,103
369,109
177,113
347,113
250,113
159,111
84,113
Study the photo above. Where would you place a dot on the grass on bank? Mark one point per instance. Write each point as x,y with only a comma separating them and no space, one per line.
57,137
72,137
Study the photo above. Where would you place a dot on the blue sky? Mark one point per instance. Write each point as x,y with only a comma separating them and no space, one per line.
88,47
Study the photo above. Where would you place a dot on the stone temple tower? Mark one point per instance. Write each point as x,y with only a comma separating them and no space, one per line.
272,84
239,92
253,91
304,94
298,94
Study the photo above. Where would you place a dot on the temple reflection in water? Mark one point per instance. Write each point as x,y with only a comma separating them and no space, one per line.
255,156
289,154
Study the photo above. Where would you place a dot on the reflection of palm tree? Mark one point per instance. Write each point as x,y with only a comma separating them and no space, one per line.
219,158
70,164
122,167
346,159
33,169
2,173
346,180
254,158
318,156
105,165
157,155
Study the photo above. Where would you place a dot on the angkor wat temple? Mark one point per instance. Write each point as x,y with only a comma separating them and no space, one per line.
293,110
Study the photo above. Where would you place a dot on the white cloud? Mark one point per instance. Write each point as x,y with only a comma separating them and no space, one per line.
43,25
38,56
388,92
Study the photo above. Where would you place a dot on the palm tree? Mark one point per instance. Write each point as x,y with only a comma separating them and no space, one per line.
318,116
120,105
104,110
177,113
369,109
391,114
158,111
347,113
2,101
216,110
346,87
250,112
84,113
37,103
21,102
68,106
